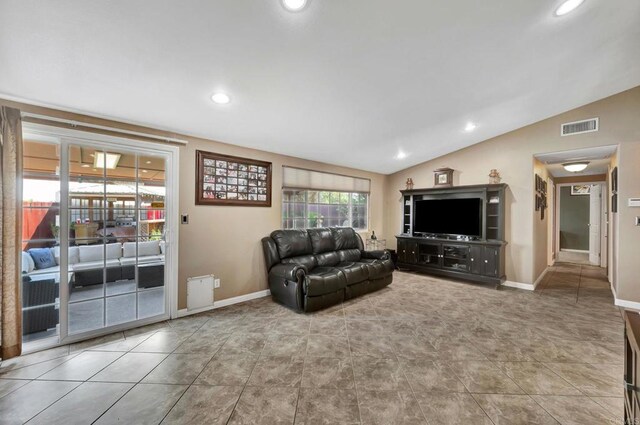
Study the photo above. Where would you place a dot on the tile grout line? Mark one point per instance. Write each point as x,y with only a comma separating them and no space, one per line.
244,387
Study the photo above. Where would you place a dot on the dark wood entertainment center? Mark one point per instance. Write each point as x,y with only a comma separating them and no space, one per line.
480,258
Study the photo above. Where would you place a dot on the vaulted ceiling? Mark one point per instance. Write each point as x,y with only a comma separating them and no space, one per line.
345,82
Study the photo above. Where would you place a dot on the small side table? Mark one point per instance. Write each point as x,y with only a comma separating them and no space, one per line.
375,244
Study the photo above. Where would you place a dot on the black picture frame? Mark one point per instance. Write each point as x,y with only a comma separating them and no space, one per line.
614,180
538,202
614,203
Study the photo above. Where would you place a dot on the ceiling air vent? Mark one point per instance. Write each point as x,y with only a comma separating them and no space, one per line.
579,127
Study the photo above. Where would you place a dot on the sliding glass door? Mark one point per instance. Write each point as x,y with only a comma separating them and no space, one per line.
106,231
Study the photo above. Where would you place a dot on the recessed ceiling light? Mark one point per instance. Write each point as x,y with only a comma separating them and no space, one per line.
144,171
567,7
575,167
470,127
294,5
221,98
147,162
109,160
401,155
85,166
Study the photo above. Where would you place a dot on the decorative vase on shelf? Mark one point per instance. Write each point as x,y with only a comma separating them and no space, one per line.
409,183
373,235
494,176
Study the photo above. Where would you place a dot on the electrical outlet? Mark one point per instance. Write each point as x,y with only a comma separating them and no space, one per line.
184,219
637,221
216,283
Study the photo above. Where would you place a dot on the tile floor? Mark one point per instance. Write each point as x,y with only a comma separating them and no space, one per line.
422,351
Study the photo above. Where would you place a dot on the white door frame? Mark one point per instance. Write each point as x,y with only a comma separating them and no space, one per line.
64,137
603,218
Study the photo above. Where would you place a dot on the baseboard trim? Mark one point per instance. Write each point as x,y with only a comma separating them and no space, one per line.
526,286
623,303
519,285
540,278
627,304
226,302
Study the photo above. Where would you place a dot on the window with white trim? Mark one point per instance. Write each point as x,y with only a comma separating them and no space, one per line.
313,199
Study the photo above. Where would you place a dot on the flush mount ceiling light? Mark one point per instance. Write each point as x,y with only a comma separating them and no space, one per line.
567,6
575,167
470,127
294,5
112,160
221,98
401,155
85,166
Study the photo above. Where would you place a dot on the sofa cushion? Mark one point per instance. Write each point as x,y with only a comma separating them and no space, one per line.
94,265
346,238
321,240
50,270
144,249
324,280
73,256
328,259
377,269
131,261
28,265
42,258
292,243
353,272
309,261
349,255
91,253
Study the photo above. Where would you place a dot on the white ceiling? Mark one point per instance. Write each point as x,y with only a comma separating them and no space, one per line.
599,159
345,82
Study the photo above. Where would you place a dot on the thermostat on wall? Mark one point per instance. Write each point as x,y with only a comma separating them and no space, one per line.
634,202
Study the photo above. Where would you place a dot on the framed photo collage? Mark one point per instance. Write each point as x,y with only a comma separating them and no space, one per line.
230,180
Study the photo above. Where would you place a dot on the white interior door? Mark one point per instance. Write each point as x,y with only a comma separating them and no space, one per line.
595,200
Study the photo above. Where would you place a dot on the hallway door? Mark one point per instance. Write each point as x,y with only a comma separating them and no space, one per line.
595,208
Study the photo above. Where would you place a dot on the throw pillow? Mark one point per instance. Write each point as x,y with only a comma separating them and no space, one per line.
42,257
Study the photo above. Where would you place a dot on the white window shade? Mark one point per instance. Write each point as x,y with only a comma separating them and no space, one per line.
299,178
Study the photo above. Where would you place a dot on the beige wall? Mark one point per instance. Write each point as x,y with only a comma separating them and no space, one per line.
628,272
225,240
512,154
540,226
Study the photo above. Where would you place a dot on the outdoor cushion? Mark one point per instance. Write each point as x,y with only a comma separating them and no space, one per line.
42,257
131,261
28,265
144,248
92,253
92,265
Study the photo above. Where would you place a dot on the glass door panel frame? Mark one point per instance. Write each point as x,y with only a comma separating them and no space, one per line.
68,137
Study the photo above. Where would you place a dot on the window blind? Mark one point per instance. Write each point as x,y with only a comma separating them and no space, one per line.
300,178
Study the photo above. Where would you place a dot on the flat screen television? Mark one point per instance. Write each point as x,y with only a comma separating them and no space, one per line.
460,216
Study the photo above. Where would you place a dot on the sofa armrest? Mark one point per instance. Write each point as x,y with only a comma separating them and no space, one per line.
290,272
377,255
285,283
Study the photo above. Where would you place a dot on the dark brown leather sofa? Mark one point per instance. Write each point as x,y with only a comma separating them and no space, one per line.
316,268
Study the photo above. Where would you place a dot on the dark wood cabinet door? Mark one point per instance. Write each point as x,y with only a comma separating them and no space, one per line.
402,250
491,261
456,257
429,254
477,259
412,252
